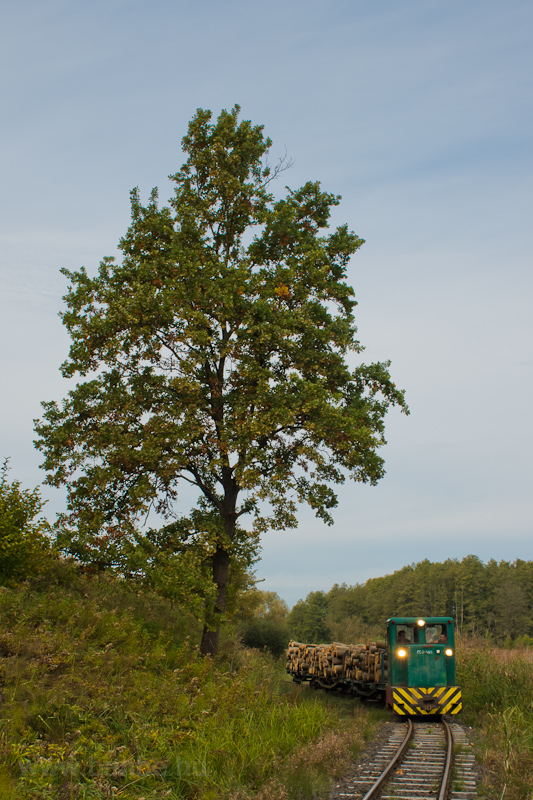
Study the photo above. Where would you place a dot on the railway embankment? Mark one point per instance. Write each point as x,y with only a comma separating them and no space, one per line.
104,695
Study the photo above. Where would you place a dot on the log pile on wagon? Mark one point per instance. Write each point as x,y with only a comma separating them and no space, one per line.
365,663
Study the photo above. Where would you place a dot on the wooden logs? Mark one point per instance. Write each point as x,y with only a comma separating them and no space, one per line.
365,663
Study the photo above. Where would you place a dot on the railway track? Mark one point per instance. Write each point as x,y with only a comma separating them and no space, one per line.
416,763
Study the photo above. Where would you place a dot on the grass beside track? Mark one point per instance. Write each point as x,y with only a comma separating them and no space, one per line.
105,695
497,686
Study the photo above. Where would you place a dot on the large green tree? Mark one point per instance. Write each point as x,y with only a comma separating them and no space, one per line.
215,353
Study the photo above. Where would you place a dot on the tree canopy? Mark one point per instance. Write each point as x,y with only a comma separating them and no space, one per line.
491,600
215,353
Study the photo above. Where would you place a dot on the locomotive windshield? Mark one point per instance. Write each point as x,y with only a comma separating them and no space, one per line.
407,633
436,634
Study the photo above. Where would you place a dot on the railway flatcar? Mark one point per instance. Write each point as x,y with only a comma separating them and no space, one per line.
412,670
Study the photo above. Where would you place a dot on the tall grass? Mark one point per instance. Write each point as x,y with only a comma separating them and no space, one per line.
105,695
497,687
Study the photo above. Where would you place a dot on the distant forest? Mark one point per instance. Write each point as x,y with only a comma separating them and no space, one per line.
494,600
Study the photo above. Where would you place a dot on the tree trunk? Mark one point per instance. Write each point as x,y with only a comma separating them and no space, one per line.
211,633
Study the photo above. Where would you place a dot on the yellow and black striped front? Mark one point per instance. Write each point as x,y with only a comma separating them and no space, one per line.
435,700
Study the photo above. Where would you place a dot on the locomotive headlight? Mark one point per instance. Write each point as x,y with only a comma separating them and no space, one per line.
402,653
449,651
421,622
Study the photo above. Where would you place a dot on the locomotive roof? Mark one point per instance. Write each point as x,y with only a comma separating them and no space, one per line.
411,620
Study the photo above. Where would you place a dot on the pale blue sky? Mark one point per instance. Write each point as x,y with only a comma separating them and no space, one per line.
419,113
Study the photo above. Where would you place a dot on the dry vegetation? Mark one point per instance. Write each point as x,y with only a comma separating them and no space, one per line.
498,697
105,695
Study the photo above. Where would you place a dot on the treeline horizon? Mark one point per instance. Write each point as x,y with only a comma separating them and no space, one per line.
493,600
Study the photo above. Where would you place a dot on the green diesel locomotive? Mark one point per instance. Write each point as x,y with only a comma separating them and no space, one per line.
421,674
412,671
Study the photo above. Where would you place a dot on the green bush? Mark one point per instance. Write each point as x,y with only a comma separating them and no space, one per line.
269,633
23,539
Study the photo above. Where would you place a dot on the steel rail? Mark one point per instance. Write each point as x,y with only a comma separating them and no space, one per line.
447,774
378,785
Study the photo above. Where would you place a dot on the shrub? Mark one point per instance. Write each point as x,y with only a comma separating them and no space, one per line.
106,695
23,540
267,633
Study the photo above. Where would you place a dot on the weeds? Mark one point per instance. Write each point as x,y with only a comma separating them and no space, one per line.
105,695
497,687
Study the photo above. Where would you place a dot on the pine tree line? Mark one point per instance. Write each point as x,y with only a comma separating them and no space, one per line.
493,599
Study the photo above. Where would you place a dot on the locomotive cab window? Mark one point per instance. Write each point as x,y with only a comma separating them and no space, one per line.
406,634
436,634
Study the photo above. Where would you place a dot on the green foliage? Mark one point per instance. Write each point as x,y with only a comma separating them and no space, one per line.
269,633
105,695
493,679
215,353
23,535
493,599
261,616
307,620
524,641
256,603
175,561
497,688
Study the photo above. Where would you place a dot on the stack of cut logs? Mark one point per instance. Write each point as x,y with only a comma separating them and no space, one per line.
357,662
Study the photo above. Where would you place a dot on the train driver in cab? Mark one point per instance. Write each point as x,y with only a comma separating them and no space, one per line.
436,635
